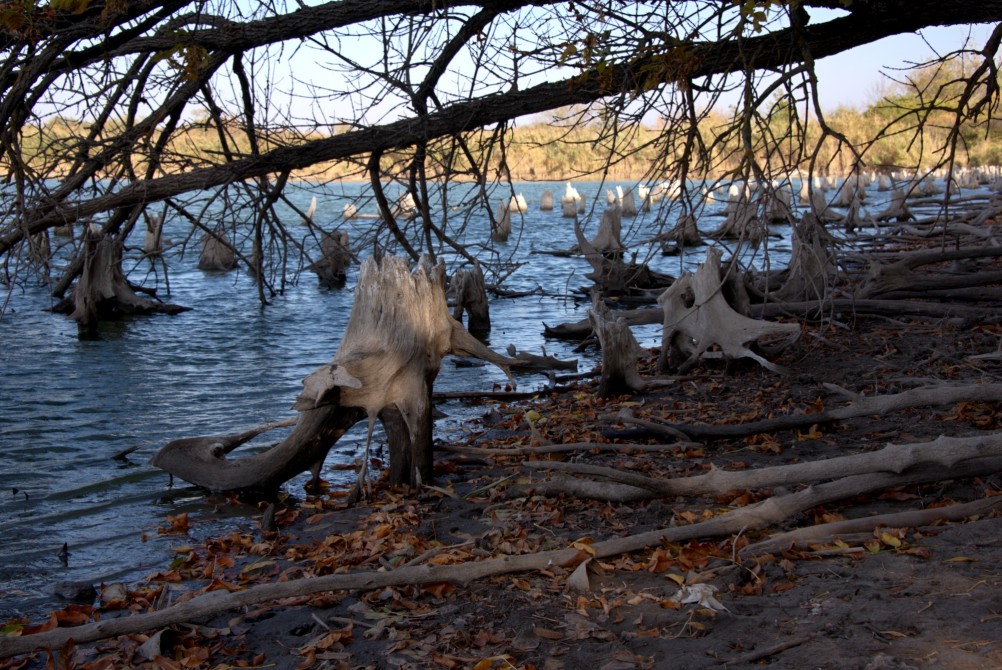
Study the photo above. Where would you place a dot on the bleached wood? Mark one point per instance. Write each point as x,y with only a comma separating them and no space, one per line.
391,352
698,317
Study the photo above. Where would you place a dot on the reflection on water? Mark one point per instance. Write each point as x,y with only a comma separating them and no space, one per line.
67,407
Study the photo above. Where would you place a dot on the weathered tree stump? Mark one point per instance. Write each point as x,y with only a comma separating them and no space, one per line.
391,352
897,209
812,263
332,267
546,201
102,292
620,353
471,298
628,203
607,239
610,272
741,223
502,223
684,234
217,254
153,243
697,317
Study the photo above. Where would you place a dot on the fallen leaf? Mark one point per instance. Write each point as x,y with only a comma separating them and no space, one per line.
546,633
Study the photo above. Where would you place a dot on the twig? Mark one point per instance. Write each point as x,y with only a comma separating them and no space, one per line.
758,655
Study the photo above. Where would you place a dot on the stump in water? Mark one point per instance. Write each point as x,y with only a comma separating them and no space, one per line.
697,317
502,224
153,244
397,334
546,201
684,234
471,297
102,292
332,267
897,209
610,272
218,254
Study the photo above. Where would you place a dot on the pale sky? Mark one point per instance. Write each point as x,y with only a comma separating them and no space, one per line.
853,78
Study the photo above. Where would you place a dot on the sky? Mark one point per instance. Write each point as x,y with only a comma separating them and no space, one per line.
854,78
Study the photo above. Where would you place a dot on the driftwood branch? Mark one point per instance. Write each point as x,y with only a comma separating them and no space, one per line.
894,458
867,406
911,519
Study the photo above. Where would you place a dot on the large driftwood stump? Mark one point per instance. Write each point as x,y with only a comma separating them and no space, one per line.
391,352
698,317
102,292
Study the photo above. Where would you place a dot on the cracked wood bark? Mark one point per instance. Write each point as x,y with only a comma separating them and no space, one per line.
756,516
391,352
697,317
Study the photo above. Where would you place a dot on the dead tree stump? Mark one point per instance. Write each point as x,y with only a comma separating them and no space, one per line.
471,298
698,317
684,234
102,292
218,255
620,353
153,243
335,258
391,352
812,263
502,224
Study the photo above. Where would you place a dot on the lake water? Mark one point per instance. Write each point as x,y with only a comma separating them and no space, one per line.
68,406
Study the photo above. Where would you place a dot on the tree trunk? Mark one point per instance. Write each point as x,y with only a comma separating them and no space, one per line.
812,263
391,352
620,354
